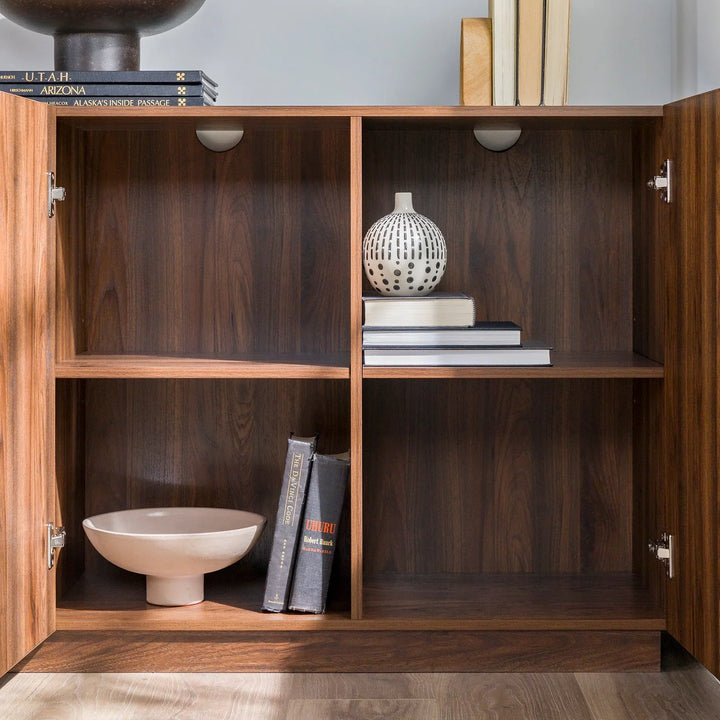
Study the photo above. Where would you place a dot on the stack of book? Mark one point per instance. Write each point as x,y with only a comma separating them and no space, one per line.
306,528
112,88
440,329
517,56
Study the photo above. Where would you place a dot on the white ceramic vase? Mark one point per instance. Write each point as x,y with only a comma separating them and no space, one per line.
404,253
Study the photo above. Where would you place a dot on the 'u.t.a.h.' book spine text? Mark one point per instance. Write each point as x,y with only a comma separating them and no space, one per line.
319,536
287,524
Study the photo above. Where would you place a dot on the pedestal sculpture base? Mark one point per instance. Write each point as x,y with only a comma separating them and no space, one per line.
97,51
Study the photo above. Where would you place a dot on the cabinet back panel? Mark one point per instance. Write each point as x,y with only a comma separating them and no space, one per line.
540,234
204,443
468,476
189,251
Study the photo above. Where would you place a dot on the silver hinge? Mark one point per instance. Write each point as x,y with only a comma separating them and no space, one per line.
664,550
55,539
54,193
663,182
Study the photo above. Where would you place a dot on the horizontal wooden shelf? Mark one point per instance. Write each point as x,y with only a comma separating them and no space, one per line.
602,601
391,603
230,112
331,366
117,602
565,365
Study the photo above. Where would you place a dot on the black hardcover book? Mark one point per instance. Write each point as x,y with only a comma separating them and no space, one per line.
287,524
325,495
105,76
123,101
116,90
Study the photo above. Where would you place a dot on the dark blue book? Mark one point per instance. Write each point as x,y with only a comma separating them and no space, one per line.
325,496
122,102
105,76
110,89
287,523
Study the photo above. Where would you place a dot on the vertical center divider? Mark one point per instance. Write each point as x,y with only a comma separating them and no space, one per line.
356,489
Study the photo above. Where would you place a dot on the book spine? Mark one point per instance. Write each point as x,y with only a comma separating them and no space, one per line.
123,101
287,524
105,76
326,492
116,90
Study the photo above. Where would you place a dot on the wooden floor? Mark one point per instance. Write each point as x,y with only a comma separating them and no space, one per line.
684,690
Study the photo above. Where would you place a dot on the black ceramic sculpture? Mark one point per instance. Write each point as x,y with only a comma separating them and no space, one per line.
98,34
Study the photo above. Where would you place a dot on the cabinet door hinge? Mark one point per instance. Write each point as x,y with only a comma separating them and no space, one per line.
54,193
664,550
55,539
663,183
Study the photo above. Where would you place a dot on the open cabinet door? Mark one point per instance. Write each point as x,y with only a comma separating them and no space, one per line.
692,384
27,606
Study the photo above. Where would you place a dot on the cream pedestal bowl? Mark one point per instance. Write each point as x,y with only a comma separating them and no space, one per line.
174,547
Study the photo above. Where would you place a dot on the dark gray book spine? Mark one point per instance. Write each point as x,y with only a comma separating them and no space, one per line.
109,89
287,524
326,492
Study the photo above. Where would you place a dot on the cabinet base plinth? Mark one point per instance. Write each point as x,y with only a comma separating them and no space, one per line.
348,651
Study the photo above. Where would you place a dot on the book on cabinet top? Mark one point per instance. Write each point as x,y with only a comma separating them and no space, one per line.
557,52
504,45
530,51
106,76
438,309
110,89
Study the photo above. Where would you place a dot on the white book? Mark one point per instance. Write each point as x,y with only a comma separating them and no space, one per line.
504,50
482,333
475,356
438,309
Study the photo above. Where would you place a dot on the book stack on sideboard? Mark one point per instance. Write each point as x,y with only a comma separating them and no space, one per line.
518,55
440,329
112,88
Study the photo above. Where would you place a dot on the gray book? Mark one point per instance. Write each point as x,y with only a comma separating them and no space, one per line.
287,524
325,495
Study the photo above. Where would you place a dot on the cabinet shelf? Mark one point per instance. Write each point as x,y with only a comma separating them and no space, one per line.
565,365
510,602
332,366
600,601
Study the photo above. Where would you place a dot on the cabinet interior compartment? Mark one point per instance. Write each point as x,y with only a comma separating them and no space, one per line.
166,248
124,444
533,498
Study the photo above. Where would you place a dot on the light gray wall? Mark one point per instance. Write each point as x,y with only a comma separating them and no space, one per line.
399,52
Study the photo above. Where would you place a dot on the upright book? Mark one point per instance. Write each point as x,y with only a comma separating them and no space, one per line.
504,45
530,51
298,460
557,51
438,309
476,61
326,492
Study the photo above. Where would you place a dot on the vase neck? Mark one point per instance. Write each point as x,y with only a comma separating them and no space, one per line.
403,203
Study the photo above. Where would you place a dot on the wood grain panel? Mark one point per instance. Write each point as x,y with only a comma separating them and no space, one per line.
216,253
349,651
356,360
692,388
650,239
497,476
540,235
27,153
206,443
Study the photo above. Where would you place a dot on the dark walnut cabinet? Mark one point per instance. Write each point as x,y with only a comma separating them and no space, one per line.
184,310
